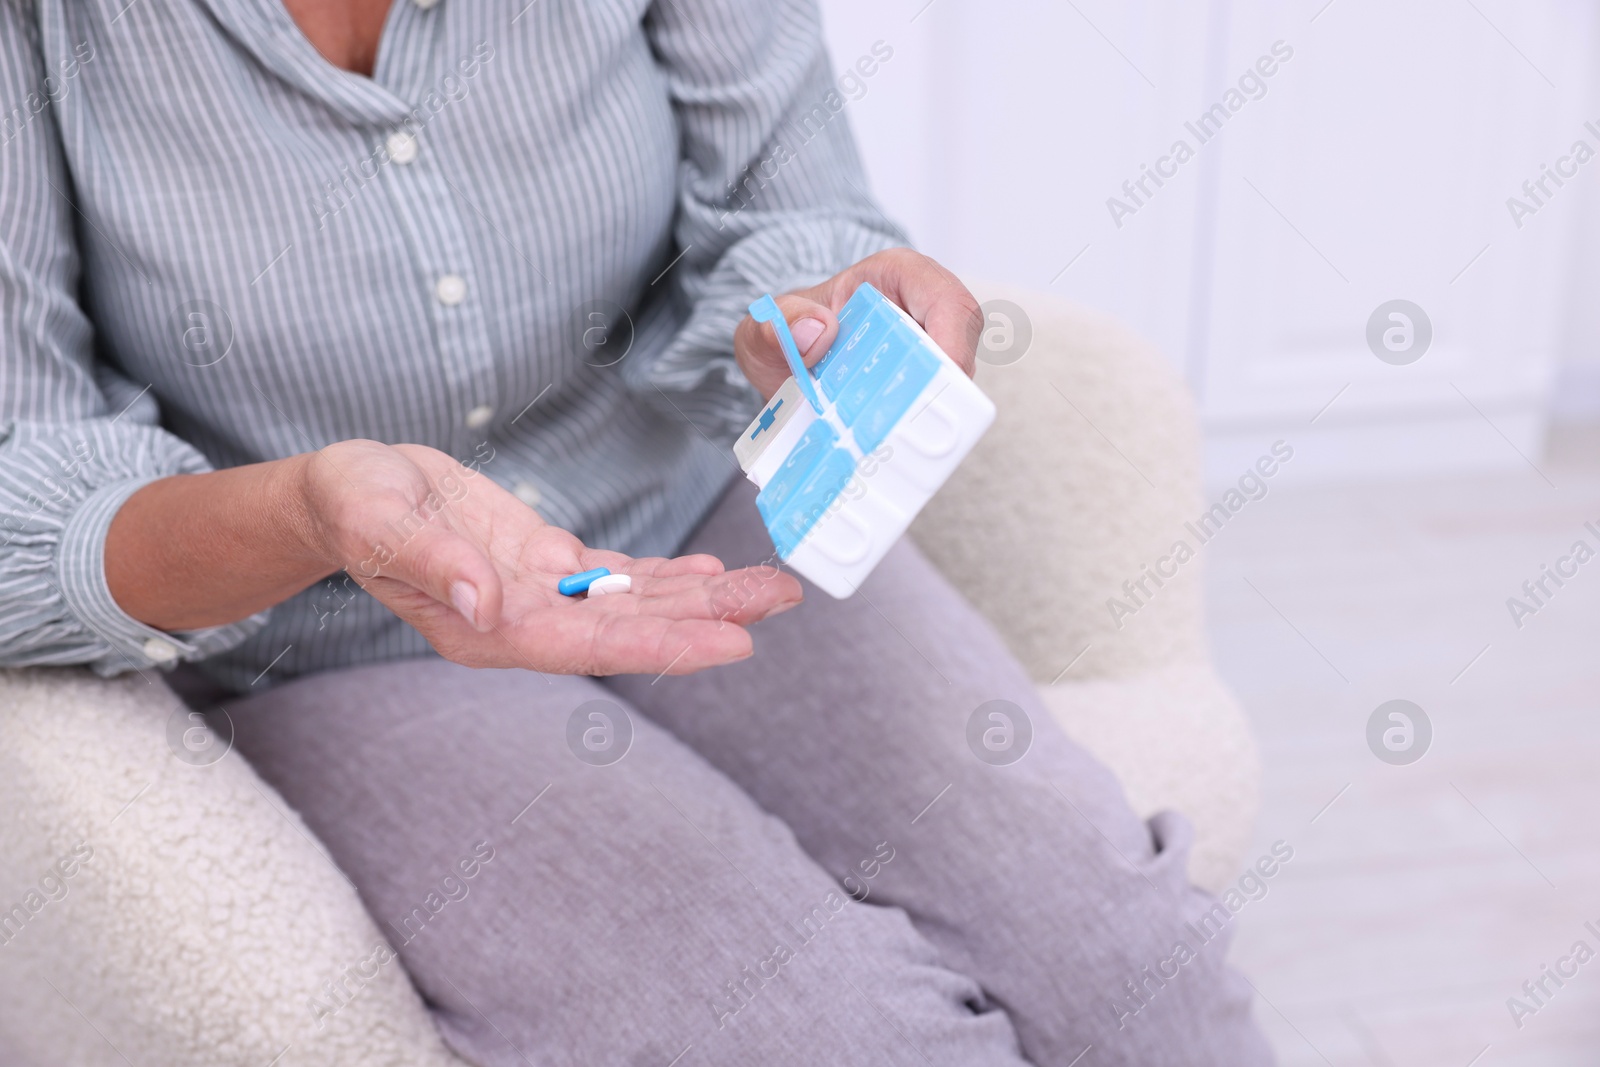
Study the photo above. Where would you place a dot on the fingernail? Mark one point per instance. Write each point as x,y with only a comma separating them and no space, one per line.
806,332
784,605
465,599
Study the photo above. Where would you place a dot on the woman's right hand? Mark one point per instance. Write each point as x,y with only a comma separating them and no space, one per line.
474,569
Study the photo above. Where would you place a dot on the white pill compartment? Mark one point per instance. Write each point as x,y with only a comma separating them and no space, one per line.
847,454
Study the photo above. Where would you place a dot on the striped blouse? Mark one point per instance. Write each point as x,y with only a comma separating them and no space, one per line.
525,241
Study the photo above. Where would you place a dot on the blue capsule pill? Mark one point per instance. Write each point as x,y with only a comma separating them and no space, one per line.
573,584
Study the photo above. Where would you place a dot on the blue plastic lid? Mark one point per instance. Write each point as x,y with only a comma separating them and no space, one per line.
766,310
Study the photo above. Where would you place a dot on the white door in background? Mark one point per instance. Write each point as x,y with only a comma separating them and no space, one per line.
1373,164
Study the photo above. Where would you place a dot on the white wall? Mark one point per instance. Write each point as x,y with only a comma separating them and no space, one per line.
997,131
1376,166
1577,392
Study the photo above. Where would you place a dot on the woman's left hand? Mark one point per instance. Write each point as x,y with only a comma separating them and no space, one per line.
934,297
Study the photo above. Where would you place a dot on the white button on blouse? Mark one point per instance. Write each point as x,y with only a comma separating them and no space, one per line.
402,147
450,290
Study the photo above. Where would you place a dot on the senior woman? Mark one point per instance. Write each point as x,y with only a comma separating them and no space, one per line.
333,332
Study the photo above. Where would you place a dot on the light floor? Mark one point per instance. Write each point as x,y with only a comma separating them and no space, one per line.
1425,895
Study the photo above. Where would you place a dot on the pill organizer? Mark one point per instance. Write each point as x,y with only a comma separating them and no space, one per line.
847,454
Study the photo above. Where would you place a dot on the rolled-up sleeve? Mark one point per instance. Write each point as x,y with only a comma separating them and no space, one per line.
68,457
771,192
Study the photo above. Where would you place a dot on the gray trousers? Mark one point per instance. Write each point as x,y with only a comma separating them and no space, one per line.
829,853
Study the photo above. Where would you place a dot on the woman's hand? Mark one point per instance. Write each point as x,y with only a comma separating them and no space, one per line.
934,297
474,570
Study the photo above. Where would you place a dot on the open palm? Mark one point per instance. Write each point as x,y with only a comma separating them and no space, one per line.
439,545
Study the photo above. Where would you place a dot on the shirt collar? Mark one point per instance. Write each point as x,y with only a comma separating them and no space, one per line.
267,31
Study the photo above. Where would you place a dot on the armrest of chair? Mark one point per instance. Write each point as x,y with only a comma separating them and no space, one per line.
1086,478
174,911
1082,486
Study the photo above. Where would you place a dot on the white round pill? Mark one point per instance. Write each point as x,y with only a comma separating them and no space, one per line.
610,583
